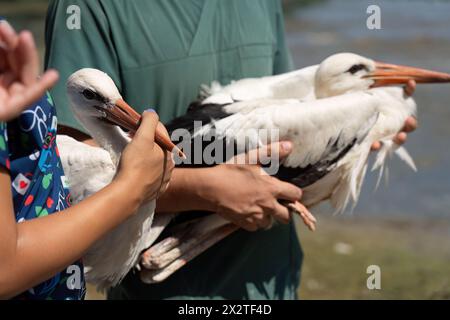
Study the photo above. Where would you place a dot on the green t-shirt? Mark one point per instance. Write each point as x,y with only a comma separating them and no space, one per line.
159,53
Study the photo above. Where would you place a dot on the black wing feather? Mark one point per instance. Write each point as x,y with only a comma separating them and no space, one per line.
204,113
302,177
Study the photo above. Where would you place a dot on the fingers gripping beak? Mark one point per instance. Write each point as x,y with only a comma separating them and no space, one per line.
123,115
390,74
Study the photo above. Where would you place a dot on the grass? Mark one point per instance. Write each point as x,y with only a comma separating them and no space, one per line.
414,257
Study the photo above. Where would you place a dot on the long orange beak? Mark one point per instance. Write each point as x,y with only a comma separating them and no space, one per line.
123,115
387,74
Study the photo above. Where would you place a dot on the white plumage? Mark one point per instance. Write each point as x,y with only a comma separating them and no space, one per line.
298,84
326,100
89,169
332,113
320,129
332,77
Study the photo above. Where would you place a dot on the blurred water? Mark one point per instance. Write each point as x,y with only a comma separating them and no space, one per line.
415,33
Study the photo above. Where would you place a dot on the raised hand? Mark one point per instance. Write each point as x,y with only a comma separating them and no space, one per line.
20,84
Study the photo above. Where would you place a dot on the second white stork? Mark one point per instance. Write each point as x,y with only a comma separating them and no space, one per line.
339,116
344,106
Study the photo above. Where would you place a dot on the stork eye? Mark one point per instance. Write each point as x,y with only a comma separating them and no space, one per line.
89,94
356,67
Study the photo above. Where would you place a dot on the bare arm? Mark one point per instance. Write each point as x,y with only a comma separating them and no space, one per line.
187,188
239,193
187,191
33,251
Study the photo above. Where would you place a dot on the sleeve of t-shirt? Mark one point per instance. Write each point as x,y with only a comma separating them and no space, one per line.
77,35
4,152
283,60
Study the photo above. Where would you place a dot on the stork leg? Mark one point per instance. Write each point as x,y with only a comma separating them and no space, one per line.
203,243
165,245
160,259
191,239
184,238
308,219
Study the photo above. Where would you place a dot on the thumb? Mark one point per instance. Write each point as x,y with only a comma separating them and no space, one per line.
147,128
284,148
162,130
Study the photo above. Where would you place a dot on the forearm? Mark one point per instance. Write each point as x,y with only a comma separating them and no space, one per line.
188,190
47,245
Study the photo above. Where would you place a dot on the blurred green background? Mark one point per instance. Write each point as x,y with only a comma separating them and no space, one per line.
404,228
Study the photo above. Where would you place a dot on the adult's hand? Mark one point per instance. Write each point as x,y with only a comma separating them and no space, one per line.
20,85
248,197
410,123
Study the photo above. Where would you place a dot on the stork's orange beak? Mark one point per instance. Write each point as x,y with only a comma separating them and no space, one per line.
387,74
123,115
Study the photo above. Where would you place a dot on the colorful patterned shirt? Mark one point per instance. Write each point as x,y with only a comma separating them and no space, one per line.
28,150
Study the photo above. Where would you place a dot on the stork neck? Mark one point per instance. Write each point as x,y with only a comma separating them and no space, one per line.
109,137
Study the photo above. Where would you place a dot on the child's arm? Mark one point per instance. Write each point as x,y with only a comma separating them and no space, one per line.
33,251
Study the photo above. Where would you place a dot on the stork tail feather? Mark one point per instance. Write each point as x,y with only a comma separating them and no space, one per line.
388,148
404,155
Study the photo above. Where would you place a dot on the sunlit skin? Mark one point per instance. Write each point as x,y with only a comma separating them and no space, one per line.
410,123
19,71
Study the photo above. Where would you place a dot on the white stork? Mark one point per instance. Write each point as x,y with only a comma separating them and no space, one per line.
298,84
97,104
329,78
333,117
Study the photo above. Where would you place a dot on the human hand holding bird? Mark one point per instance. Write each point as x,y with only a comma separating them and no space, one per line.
410,122
245,195
144,167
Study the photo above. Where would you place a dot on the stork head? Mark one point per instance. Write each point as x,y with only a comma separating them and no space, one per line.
349,72
94,96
